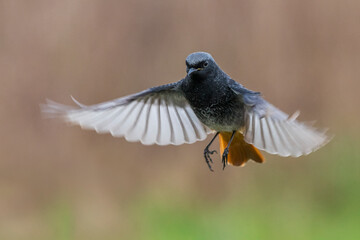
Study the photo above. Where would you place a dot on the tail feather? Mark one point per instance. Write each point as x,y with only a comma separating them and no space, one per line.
239,151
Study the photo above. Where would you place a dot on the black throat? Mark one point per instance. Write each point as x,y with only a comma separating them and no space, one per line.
206,92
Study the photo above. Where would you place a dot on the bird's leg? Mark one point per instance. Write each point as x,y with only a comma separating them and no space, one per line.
226,151
207,152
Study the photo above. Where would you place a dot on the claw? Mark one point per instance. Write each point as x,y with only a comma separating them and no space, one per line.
207,153
225,157
226,151
207,157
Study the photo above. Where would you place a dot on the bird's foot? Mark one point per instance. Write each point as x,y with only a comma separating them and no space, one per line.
207,157
225,157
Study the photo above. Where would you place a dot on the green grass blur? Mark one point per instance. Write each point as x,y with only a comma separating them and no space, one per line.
320,203
323,204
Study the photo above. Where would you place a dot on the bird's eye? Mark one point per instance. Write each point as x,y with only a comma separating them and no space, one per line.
205,64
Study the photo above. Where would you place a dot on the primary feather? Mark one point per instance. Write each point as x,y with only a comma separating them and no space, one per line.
159,115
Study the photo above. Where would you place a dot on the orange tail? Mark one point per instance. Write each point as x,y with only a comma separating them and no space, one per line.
239,151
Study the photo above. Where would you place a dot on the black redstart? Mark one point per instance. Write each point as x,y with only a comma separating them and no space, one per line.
206,101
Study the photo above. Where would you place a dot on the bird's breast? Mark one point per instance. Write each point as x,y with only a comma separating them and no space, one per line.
218,107
223,116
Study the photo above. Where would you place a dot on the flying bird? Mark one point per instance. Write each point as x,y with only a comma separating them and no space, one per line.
205,101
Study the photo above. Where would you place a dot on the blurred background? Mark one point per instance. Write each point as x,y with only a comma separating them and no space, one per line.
61,182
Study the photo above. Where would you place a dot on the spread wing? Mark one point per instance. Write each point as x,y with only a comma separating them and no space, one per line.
159,115
272,130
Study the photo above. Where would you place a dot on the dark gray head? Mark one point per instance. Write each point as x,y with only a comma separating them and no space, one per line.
200,65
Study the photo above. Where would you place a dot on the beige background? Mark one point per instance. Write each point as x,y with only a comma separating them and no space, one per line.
300,54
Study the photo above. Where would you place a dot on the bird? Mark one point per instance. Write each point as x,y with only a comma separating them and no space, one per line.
206,101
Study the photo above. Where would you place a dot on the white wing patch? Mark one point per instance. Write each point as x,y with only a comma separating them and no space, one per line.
277,133
160,119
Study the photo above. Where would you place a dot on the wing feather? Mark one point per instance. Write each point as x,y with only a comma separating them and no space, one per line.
187,125
104,125
200,129
159,115
274,131
164,134
152,124
139,127
273,134
115,126
179,137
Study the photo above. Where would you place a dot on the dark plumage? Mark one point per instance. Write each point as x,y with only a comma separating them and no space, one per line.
206,100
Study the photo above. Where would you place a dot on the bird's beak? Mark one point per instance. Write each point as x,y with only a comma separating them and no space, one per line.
191,70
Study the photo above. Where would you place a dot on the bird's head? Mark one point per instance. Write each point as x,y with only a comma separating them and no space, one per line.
200,65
